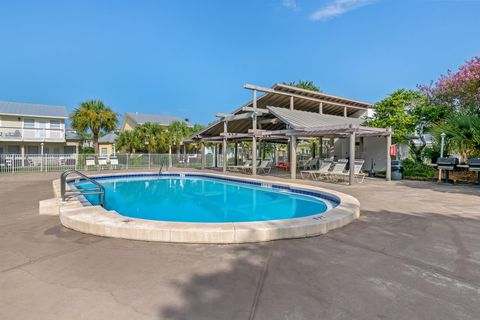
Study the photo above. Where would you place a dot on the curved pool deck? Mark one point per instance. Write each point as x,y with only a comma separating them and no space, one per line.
78,214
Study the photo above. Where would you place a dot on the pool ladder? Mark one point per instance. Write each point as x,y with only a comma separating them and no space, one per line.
67,194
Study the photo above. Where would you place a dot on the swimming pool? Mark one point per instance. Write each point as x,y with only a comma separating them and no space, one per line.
203,207
203,199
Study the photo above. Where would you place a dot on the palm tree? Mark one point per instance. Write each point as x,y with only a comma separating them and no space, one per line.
128,140
178,130
151,136
93,115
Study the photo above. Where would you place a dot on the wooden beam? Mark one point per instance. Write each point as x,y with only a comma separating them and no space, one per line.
269,90
256,110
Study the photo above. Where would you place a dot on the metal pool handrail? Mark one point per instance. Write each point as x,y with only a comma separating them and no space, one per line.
99,189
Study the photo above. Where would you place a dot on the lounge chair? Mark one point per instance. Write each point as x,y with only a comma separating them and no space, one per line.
249,168
322,170
311,164
89,162
241,167
357,171
102,162
265,166
113,162
337,170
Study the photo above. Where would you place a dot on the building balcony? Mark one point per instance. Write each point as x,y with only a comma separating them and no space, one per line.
32,135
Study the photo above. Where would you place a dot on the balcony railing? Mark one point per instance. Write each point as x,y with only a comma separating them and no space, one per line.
32,134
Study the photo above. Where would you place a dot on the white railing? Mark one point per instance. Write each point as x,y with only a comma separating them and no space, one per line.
14,163
31,134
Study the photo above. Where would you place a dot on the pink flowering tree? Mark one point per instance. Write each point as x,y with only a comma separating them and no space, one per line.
458,92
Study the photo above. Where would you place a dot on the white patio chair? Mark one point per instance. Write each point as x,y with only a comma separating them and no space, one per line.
102,163
239,168
113,162
357,171
265,166
322,169
337,170
89,162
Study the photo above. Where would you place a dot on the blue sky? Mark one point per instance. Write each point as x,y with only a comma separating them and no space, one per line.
191,58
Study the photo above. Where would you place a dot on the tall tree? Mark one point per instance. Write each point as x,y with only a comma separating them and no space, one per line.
129,141
396,112
93,115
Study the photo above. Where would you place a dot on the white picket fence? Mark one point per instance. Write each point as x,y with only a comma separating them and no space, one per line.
13,163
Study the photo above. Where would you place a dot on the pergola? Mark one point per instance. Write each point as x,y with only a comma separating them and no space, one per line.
285,113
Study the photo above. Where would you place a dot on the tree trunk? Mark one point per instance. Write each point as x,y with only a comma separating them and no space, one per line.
95,141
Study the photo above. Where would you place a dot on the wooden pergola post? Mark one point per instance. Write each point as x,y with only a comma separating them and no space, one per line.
292,106
236,153
388,175
254,139
320,147
224,147
351,154
202,155
293,157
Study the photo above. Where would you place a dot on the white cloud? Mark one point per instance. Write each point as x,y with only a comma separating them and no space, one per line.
338,7
290,4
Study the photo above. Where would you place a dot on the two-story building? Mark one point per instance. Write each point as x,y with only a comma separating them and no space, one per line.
35,129
133,119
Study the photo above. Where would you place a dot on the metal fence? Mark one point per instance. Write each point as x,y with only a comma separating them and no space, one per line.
12,163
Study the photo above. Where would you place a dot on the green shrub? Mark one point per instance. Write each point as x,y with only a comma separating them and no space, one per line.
413,168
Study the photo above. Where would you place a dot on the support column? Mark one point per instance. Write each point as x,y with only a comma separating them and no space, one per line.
331,148
215,156
254,155
22,152
236,153
224,147
293,157
254,139
275,152
320,108
202,155
291,103
224,154
351,154
345,112
314,149
388,175
320,147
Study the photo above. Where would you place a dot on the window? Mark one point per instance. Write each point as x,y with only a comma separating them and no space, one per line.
69,150
54,124
29,123
33,150
56,150
13,150
104,152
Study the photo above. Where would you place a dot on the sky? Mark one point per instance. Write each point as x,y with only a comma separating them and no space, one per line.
191,58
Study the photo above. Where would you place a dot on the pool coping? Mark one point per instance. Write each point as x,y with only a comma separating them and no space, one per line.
78,214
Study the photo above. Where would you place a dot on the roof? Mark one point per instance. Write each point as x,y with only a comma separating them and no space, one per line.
108,138
69,135
163,119
279,95
297,119
34,110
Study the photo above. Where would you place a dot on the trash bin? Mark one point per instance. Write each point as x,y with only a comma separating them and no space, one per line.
397,170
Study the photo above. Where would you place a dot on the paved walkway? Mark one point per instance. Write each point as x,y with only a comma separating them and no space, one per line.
413,254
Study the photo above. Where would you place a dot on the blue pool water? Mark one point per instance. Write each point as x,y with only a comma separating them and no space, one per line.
200,199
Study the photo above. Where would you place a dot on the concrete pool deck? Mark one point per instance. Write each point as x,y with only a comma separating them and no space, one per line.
414,253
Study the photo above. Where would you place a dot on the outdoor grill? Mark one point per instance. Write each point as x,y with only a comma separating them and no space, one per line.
447,164
474,165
